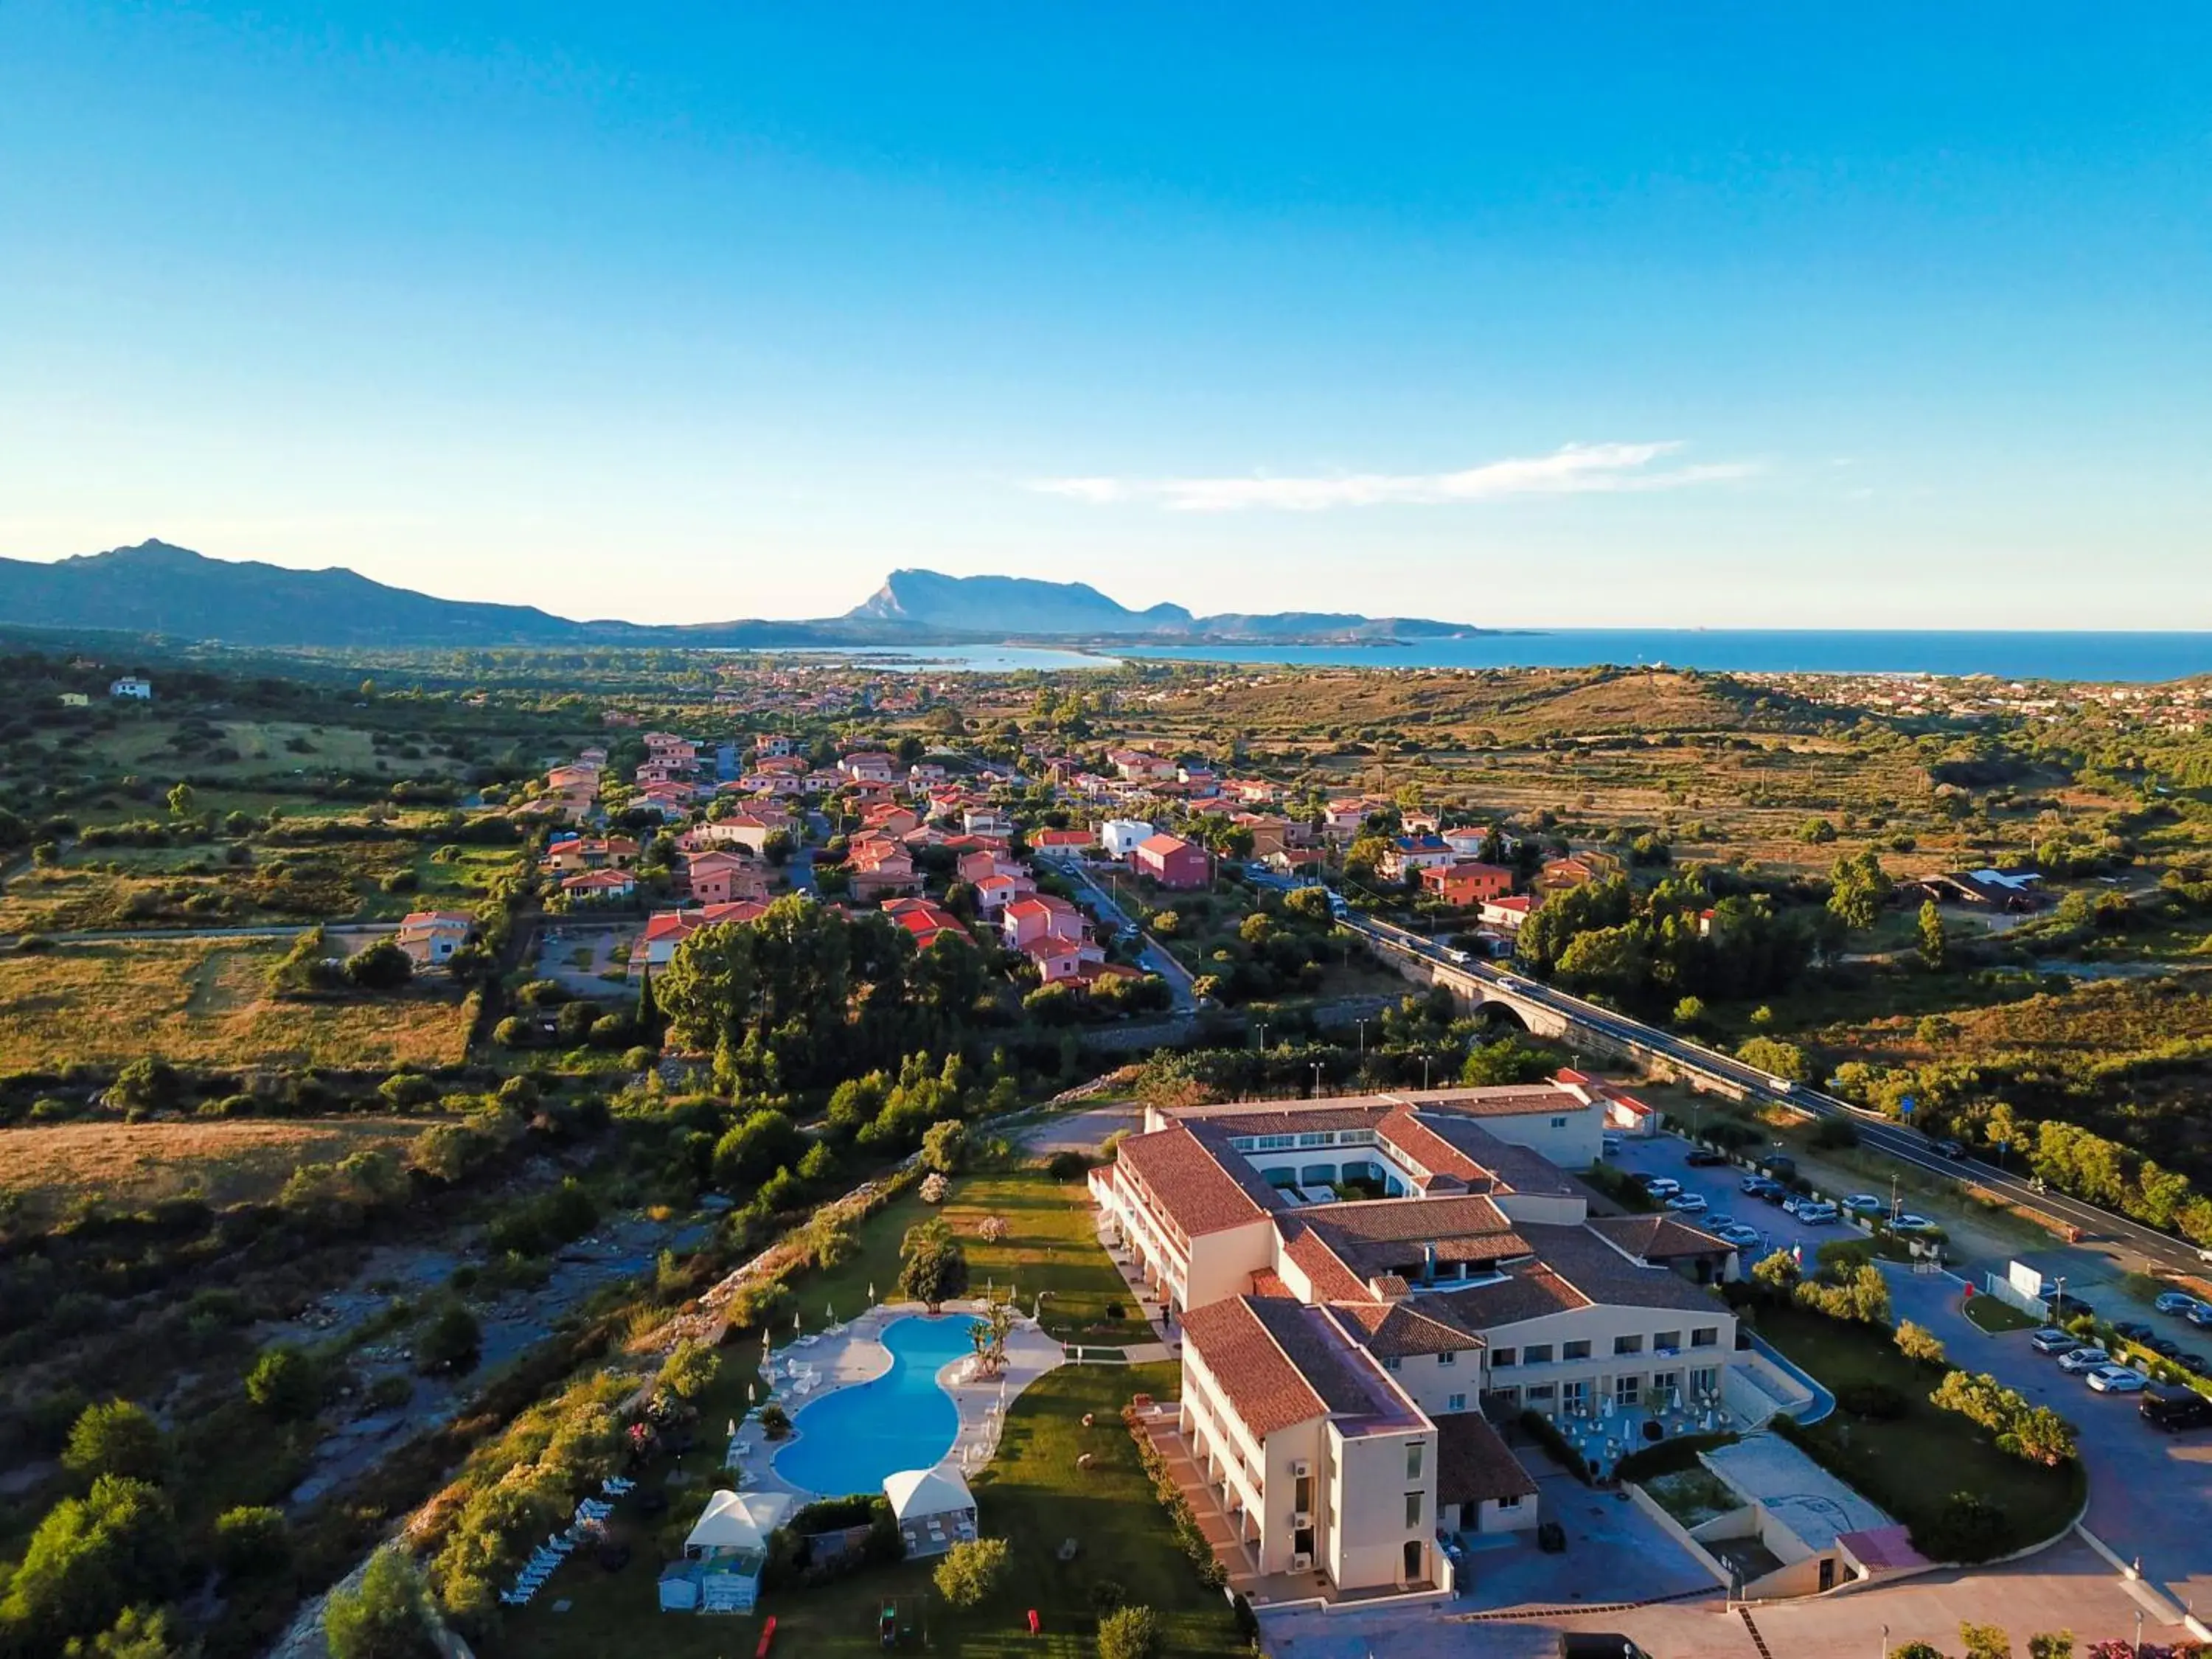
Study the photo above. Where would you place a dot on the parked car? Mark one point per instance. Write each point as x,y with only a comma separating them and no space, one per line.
1660,1186
2189,1360
1704,1158
2051,1339
1780,1165
1817,1213
2115,1379
1758,1186
1909,1223
2134,1329
1735,1233
2201,1316
2082,1360
1864,1204
2175,1409
2177,1302
1687,1203
2164,1347
1609,1146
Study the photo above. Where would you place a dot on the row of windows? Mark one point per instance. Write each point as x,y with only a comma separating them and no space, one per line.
1540,1353
1626,1390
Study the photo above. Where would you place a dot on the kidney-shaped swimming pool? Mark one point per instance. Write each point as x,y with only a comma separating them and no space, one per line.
848,1441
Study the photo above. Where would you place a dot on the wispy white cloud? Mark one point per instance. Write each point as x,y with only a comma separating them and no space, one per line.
1575,470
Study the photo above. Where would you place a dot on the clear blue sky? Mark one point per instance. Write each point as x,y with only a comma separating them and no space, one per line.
1752,315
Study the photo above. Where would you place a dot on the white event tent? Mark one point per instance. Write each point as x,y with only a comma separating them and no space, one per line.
934,1509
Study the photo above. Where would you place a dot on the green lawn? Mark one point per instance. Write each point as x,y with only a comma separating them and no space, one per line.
1997,1317
1033,1495
1912,1465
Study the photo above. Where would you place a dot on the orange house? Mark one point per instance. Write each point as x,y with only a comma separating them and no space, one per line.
1467,884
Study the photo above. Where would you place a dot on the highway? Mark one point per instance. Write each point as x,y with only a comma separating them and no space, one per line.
1876,1132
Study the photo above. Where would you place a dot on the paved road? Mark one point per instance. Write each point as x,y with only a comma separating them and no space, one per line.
1150,953
288,930
1876,1132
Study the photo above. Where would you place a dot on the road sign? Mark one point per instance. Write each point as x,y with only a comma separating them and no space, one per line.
1905,1107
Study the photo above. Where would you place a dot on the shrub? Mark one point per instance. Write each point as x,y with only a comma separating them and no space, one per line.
1129,1634
1877,1401
115,1437
382,967
776,1422
450,1342
1067,1165
1540,1428
971,1571
387,1617
1108,1593
286,1383
251,1539
945,1146
1918,1343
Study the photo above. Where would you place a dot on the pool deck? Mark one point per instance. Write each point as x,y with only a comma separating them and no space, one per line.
855,1354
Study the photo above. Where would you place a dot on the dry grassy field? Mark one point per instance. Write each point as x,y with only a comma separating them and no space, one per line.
127,1165
203,1002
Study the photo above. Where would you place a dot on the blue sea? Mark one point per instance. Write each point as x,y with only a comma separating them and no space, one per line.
2010,656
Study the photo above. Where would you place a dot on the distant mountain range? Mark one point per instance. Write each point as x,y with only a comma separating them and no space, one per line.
1020,604
157,588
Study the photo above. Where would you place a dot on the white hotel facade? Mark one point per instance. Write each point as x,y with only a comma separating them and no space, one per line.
1364,1284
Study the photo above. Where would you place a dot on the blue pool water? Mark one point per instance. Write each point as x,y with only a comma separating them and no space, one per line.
850,1440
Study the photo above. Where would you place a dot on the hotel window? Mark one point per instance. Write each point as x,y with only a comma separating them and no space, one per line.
1456,1402
1558,1123
1449,1356
1502,1357
1705,1336
1705,1382
1668,1340
1628,1344
1626,1388
1506,1399
1662,1381
1574,1351
1540,1393
1316,1138
1536,1353
1412,1509
1512,1503
1413,1460
1389,1361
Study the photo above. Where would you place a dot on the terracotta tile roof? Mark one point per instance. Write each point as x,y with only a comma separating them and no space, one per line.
1528,1291
1267,1282
1290,1120
1333,1278
1200,1195
1601,1274
1394,1329
1474,1466
1279,1362
1656,1238
1403,1128
1392,1235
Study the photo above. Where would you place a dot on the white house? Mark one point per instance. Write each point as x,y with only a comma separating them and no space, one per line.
1122,836
131,686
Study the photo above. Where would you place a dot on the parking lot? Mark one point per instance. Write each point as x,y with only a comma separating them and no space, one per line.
2151,1492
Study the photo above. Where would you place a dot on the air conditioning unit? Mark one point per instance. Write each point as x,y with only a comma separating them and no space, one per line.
1302,1564
1300,1468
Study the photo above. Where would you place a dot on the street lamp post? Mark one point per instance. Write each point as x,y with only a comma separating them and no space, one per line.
1316,1070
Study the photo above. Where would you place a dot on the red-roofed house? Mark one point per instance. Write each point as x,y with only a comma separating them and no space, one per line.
1060,843
430,937
1465,884
1507,913
1039,916
599,886
715,877
994,893
927,921
1172,861
666,929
